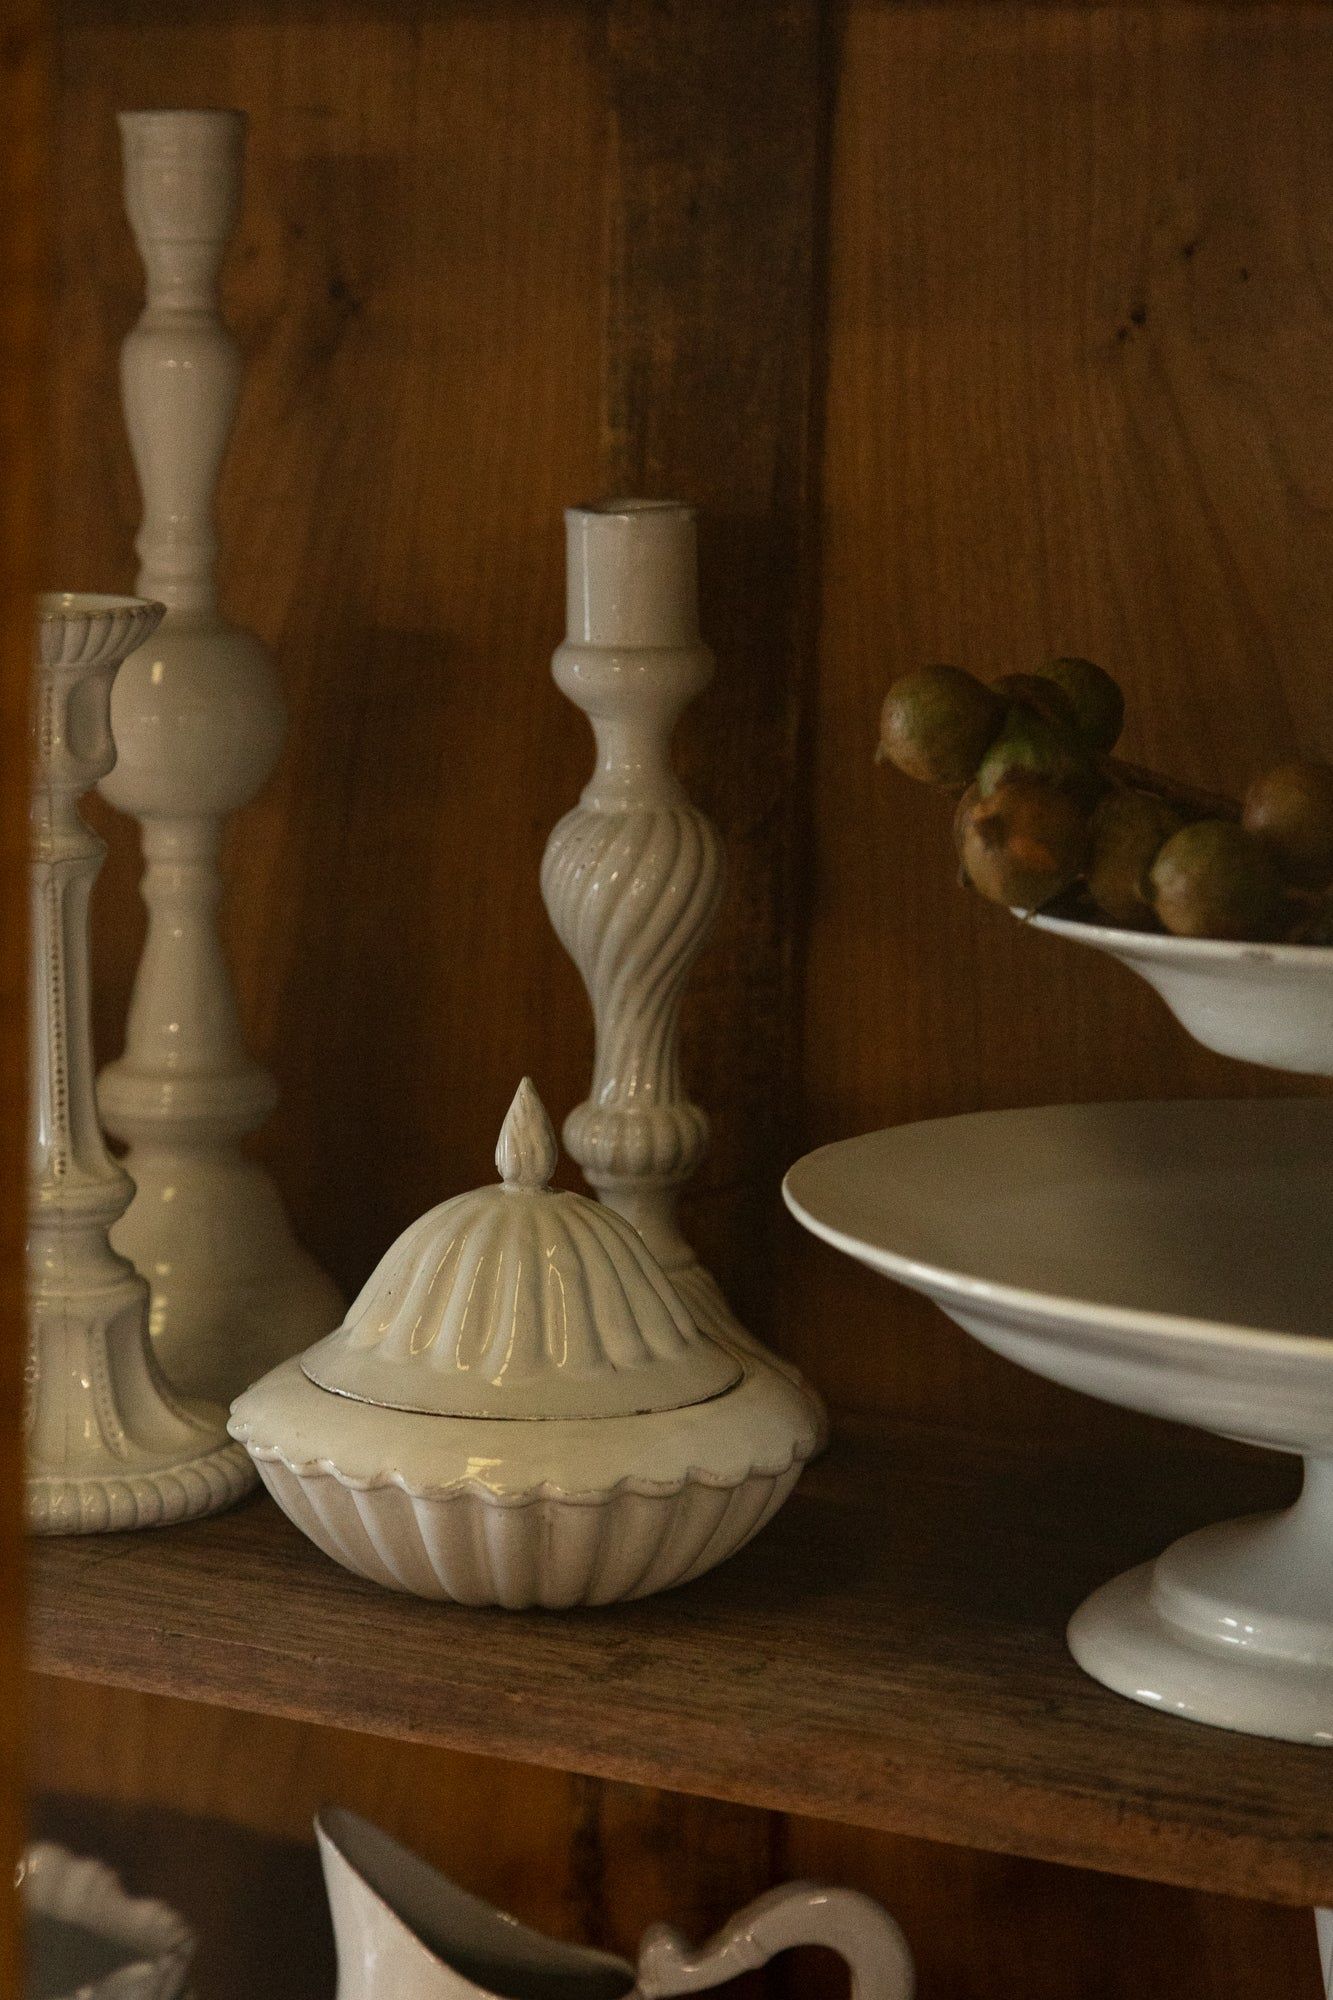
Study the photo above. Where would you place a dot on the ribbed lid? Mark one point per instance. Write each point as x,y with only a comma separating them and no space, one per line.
521,1301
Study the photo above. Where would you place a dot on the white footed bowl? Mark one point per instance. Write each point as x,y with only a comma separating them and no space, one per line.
522,1513
1263,1003
1173,1258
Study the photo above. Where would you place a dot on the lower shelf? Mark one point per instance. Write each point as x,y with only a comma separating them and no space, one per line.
889,1653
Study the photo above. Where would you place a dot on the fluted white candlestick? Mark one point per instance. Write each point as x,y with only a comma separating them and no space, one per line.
198,723
107,1444
632,876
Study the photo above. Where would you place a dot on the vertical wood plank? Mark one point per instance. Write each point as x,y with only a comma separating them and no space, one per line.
719,112
24,311
984,1927
1080,349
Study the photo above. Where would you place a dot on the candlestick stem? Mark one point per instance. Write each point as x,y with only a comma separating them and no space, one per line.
198,722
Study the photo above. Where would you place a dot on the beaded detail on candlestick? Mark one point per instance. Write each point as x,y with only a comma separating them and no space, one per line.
107,1444
198,723
632,875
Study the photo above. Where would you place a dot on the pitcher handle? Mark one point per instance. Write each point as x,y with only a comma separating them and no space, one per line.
853,1925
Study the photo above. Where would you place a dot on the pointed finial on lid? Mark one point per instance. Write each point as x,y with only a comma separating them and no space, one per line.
527,1152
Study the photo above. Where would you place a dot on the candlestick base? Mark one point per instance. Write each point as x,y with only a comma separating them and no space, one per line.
232,1291
142,1495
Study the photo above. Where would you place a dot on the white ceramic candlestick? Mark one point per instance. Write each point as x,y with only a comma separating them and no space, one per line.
198,723
107,1445
632,876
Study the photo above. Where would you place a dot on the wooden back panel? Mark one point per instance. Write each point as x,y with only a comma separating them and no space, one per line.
978,332
1079,354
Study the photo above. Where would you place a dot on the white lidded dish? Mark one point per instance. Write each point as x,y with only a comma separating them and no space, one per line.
520,1409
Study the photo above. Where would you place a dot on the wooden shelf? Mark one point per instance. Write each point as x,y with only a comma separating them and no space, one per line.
889,1653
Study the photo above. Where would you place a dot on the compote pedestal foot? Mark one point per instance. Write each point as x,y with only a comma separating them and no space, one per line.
1232,1625
198,724
1174,1259
108,1445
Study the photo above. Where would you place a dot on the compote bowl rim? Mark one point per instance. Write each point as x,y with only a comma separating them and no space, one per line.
62,604
959,1287
1182,951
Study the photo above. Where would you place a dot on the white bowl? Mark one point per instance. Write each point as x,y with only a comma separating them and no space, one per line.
1173,1258
1263,1003
85,1939
516,1513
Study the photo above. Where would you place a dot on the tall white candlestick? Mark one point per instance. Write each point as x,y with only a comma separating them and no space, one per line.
198,723
632,876
107,1444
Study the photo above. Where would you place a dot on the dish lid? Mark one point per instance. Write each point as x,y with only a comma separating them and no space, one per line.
521,1301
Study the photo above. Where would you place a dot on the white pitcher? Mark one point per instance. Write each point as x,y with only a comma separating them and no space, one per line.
404,1932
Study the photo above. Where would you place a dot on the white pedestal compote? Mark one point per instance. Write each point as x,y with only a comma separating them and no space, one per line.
1173,1258
108,1445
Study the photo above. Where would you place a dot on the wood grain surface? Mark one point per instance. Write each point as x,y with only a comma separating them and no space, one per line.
719,120
978,332
1080,348
212,1810
25,61
916,1682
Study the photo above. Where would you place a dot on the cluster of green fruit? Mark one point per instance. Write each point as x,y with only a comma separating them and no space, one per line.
1047,814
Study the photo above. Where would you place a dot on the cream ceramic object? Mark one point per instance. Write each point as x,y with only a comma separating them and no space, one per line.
520,1408
85,1939
198,723
1263,1003
404,1932
1173,1258
632,876
108,1446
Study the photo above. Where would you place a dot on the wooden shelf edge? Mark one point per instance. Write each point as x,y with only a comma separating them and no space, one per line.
976,1815
898,1690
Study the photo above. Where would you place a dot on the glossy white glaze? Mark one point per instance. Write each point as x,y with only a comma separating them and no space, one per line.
88,1940
404,1932
1174,1258
516,1301
1262,1003
632,875
522,1409
198,723
107,1445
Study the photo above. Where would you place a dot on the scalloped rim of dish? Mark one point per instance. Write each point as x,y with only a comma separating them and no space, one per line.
1050,1307
255,1432
476,1489
1177,950
83,1888
57,607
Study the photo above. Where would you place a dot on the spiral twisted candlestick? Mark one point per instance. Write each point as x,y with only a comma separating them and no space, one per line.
633,875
